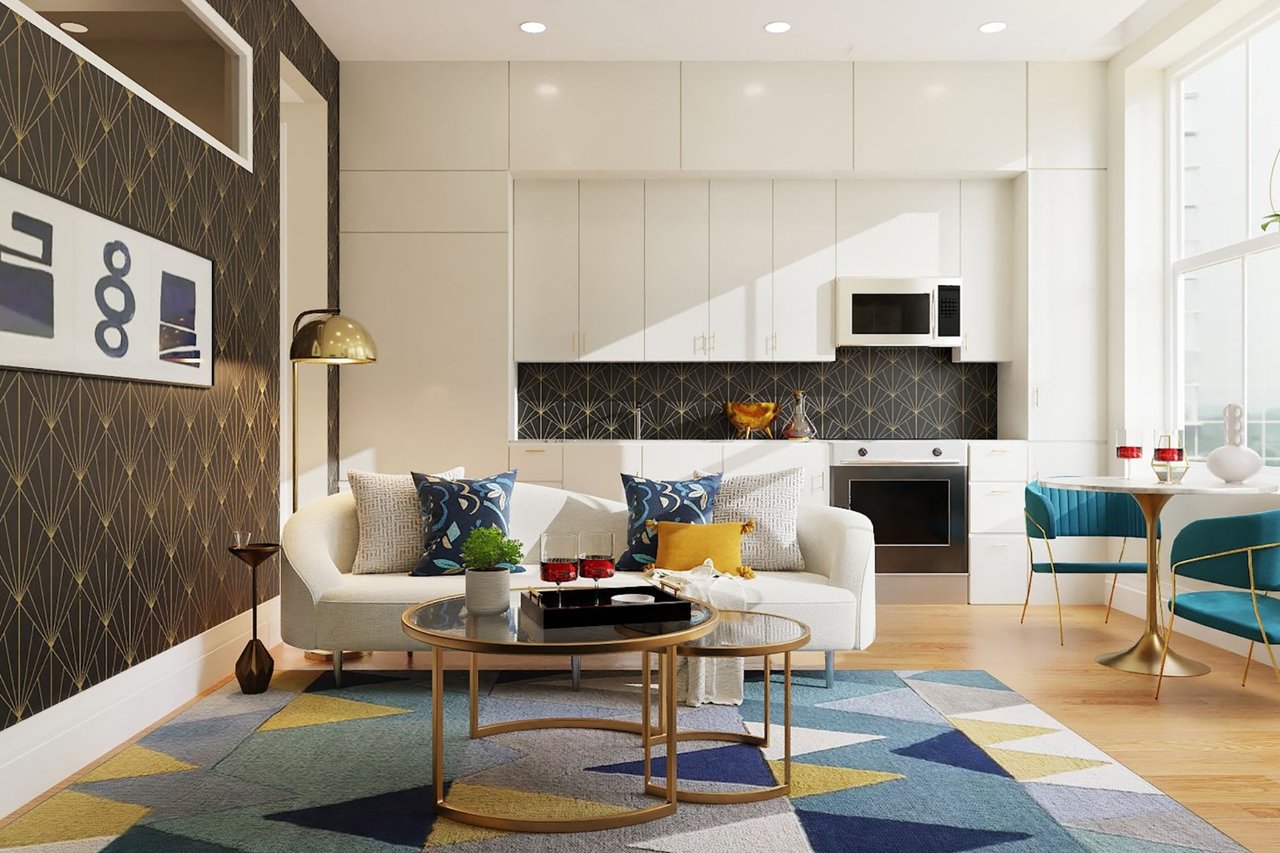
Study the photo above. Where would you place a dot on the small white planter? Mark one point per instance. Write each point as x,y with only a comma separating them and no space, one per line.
488,592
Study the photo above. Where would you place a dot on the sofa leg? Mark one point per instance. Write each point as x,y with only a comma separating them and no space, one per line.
337,668
831,670
575,677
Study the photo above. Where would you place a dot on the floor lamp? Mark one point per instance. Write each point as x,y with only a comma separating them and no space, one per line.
327,338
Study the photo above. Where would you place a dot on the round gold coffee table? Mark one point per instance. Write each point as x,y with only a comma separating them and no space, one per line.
738,634
445,624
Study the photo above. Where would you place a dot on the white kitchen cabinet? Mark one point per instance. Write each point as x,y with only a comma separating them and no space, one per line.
676,254
767,116
759,457
611,285
804,270
889,229
546,270
987,252
996,507
1066,304
939,117
537,462
595,116
677,460
997,569
1067,115
998,462
741,270
595,467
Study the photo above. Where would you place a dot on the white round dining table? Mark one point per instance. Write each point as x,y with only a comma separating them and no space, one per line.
1145,655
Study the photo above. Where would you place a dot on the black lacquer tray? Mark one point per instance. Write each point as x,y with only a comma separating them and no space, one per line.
579,607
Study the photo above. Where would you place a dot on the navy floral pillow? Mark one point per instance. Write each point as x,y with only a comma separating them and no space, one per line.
688,501
451,509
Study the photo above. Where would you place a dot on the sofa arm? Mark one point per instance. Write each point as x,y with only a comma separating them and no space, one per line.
313,538
840,545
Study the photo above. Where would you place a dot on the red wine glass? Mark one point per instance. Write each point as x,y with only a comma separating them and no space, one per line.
559,560
1128,448
596,557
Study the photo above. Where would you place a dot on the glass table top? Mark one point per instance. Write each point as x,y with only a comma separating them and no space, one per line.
741,633
446,622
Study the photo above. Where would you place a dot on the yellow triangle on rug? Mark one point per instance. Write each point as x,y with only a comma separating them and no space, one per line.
69,816
810,779
311,709
135,761
985,733
1028,766
504,802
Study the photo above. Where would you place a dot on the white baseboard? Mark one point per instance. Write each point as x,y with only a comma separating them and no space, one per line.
42,750
1134,602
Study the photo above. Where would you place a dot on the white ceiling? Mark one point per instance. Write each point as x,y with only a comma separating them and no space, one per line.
729,29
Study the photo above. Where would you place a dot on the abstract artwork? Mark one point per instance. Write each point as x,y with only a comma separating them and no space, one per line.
81,294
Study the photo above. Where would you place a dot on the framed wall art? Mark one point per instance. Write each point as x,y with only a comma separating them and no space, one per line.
81,294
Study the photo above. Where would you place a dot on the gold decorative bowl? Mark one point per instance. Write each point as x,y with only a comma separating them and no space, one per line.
751,417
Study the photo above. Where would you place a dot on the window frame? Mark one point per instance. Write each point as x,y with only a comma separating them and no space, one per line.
1178,266
218,27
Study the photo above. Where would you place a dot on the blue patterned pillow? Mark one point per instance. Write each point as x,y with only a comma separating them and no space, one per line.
662,500
451,509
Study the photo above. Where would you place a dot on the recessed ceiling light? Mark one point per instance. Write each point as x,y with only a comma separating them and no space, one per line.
777,27
992,27
73,27
534,27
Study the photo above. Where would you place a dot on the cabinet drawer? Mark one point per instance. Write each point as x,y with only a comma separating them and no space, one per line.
537,463
997,569
996,508
998,461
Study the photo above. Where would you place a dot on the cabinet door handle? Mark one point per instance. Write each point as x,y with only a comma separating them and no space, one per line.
573,342
775,341
534,450
713,342
994,451
965,346
1035,398
695,343
822,481
998,492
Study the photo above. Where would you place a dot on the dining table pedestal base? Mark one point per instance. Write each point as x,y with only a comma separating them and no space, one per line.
1144,658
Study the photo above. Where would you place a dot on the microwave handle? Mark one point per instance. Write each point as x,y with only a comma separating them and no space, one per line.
933,313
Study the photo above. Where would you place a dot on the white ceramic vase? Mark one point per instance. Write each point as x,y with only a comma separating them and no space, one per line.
488,591
1233,462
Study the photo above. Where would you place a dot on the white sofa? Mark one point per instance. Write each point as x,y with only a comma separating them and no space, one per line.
324,606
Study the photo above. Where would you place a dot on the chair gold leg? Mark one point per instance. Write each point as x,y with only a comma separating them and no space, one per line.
1111,598
1164,653
1062,637
1026,600
1248,659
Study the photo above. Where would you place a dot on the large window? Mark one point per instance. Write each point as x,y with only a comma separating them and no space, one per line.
1225,269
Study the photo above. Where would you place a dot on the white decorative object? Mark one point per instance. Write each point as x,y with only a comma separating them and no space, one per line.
1234,462
488,591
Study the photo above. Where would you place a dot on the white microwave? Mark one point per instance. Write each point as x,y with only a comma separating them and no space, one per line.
898,312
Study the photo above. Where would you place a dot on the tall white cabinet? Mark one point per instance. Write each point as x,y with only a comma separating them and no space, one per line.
546,271
804,271
611,266
676,261
741,245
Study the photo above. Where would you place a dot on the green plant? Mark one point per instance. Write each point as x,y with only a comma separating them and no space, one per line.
487,549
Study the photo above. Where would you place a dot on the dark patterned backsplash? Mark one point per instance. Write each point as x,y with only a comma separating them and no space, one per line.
117,498
866,393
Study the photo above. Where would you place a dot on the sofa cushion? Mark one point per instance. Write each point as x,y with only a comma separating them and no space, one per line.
685,546
451,509
689,501
390,520
772,500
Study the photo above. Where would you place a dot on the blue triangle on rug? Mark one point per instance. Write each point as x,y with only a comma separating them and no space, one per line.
830,833
148,839
739,764
398,817
955,750
351,678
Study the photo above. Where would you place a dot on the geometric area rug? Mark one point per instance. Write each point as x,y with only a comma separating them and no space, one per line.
934,761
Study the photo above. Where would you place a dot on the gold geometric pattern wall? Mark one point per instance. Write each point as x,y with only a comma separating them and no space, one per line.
117,498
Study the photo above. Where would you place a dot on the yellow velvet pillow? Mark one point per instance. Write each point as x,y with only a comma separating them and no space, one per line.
686,546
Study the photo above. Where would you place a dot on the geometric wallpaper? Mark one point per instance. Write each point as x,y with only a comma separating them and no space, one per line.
117,498
866,393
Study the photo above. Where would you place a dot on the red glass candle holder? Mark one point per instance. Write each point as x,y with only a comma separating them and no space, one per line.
1169,458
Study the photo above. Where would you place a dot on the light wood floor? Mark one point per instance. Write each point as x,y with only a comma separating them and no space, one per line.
1209,743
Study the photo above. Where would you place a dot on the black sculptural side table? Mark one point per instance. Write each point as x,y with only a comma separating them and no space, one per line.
255,666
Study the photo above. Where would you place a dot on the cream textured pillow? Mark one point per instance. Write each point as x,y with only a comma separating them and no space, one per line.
773,500
390,518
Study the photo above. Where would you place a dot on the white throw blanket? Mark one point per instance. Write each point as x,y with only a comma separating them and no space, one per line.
699,681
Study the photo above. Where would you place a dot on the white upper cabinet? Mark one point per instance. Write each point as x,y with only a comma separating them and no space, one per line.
611,270
676,270
898,228
595,116
424,115
546,270
804,270
1066,115
987,252
940,117
741,310
780,116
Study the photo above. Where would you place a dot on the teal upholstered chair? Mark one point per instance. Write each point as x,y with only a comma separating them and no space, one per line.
1241,552
1058,513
